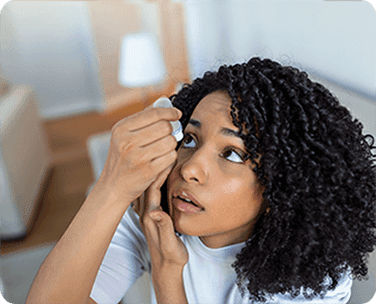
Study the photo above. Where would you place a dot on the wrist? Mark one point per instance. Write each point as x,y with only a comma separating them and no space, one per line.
110,192
169,286
104,198
169,272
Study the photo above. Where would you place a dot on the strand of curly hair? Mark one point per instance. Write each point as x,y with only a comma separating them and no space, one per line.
318,172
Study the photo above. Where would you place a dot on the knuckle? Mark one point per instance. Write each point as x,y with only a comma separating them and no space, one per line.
168,250
125,147
148,222
167,127
142,160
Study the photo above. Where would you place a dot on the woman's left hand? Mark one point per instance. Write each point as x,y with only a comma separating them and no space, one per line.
167,251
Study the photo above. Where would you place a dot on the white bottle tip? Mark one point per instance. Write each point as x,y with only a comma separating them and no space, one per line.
164,102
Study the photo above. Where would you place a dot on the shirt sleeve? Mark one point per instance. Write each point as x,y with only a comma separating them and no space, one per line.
126,259
339,295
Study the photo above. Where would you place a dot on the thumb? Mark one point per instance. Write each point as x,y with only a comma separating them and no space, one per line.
165,226
171,246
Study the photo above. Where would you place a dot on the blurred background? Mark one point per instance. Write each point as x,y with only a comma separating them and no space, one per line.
69,70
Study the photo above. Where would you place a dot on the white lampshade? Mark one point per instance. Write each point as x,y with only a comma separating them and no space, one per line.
141,61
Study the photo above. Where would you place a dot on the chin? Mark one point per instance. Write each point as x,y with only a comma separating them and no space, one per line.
185,227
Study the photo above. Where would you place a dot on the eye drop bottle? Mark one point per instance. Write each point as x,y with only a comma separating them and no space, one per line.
177,131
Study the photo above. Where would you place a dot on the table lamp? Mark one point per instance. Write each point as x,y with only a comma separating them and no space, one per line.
141,61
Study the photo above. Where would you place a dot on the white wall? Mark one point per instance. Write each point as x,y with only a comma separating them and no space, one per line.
48,44
333,39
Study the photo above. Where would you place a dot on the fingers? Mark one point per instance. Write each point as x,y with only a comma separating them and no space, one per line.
158,148
154,132
161,163
141,147
150,230
161,238
150,116
153,193
153,201
147,143
166,229
157,184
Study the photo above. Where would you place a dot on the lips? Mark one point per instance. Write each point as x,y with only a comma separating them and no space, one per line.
186,201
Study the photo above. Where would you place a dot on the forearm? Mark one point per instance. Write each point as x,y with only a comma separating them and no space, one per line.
169,287
68,273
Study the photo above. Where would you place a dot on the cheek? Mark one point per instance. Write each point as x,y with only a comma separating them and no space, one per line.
232,186
228,185
238,194
227,193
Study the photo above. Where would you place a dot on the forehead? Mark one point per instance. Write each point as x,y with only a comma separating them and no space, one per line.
217,103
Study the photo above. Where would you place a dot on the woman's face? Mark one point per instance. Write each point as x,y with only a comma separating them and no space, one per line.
210,171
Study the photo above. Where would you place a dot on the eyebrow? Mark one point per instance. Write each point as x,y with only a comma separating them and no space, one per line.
224,131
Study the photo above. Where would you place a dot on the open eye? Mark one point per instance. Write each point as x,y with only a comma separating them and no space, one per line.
234,156
188,141
230,154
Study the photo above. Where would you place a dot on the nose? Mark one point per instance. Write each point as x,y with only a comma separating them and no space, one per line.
195,167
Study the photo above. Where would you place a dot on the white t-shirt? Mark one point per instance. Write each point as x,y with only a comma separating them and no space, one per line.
208,275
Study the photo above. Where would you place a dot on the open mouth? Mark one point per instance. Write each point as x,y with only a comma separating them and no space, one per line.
186,205
188,201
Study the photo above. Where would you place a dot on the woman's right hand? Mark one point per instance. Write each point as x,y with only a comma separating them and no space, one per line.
141,147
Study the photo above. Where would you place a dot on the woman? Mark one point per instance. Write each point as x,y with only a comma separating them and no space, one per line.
272,193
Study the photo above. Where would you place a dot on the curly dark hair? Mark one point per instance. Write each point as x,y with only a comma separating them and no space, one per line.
317,169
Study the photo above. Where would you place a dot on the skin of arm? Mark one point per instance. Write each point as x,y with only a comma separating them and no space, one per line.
68,273
169,287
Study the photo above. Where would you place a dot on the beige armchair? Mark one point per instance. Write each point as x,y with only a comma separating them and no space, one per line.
24,159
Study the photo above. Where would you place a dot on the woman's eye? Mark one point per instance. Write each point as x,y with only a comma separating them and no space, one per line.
188,141
233,156
230,154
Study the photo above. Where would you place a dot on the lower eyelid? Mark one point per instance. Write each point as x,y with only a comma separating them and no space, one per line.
242,156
